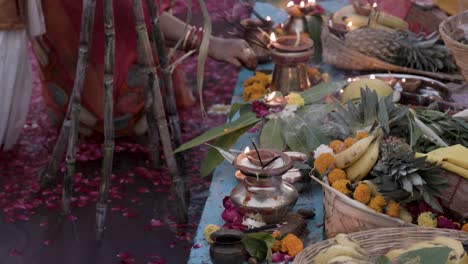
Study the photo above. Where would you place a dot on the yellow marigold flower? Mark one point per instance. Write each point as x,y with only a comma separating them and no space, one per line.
393,209
405,215
342,186
337,146
276,234
362,193
336,174
349,142
465,227
325,77
324,162
361,134
377,203
259,78
427,219
291,245
210,229
276,246
295,99
253,92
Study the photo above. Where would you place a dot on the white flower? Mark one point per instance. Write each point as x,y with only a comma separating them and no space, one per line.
252,223
286,113
220,109
323,149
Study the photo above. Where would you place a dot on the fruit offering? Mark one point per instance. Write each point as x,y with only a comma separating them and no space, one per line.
349,251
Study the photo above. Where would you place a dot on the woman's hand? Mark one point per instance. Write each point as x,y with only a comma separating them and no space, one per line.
234,51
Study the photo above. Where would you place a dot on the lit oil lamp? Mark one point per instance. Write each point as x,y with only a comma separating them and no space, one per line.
275,99
291,54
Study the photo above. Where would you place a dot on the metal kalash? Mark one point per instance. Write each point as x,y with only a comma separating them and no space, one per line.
263,193
291,56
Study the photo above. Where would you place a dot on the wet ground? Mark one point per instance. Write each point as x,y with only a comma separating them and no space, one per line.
141,224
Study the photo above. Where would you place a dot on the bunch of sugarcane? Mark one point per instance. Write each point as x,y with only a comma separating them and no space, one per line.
155,107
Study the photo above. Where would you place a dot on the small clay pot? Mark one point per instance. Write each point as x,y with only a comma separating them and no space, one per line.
265,155
227,247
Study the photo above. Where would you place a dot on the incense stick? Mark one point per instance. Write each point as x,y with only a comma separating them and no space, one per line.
258,153
271,161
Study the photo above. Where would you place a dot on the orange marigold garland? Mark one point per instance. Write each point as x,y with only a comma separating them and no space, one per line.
342,186
362,193
393,209
337,146
291,245
349,142
377,203
336,174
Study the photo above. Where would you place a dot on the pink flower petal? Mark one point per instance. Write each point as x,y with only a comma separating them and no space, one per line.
46,242
15,253
72,218
43,223
143,190
124,255
196,246
22,217
156,223
130,214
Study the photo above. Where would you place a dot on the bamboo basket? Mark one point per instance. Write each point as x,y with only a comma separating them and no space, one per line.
451,34
337,54
379,241
345,215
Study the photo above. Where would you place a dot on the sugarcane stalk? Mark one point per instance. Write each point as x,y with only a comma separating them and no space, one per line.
87,22
109,63
168,85
147,63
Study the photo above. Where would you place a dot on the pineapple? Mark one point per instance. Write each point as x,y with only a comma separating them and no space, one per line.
401,177
402,48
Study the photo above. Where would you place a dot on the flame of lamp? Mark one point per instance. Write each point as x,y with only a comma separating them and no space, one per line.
290,72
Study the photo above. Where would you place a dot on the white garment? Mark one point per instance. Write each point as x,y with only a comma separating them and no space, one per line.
15,75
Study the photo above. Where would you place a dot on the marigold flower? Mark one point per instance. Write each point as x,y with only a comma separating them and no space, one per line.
336,174
349,142
253,92
260,78
377,203
324,162
276,234
393,209
427,219
295,99
337,146
361,134
276,246
362,193
291,245
342,186
405,215
465,227
210,229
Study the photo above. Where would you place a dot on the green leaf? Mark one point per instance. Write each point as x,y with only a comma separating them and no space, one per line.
239,108
425,255
383,260
301,166
228,156
271,136
315,94
255,247
213,158
226,129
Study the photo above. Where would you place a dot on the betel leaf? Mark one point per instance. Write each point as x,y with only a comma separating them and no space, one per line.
258,245
239,108
433,255
315,94
213,158
228,156
382,260
271,136
314,26
243,121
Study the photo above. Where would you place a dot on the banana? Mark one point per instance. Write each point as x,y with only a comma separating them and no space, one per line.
336,251
346,260
359,169
342,13
350,155
458,252
344,240
389,20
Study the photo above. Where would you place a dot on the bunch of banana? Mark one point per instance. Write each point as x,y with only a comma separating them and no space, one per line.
379,19
359,159
456,256
345,251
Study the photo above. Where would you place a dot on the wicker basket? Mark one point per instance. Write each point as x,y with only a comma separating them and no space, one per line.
337,54
379,241
451,33
345,215
457,194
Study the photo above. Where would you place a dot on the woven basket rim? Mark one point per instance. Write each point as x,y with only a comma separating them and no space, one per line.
357,205
447,36
374,239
